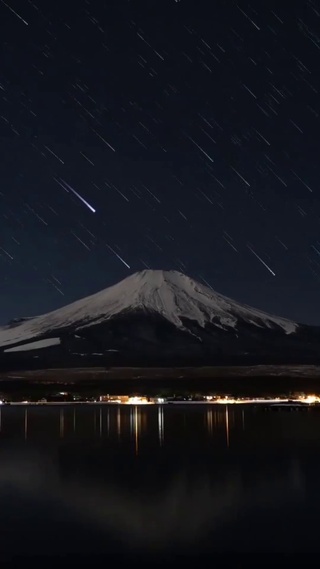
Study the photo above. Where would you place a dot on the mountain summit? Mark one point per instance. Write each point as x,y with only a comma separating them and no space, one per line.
154,314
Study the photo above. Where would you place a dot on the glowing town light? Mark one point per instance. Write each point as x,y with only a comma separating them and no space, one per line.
309,399
138,401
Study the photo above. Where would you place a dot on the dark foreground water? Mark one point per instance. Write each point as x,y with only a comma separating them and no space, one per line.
156,485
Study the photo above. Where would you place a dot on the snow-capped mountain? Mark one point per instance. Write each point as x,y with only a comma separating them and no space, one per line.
164,313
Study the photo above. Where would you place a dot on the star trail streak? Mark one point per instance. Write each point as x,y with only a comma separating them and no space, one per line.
14,12
261,261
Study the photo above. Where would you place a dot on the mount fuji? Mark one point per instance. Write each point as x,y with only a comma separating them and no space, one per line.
155,317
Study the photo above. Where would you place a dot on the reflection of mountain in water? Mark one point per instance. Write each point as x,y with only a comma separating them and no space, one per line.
179,515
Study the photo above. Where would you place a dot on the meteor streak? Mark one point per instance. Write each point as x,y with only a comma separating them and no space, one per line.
78,195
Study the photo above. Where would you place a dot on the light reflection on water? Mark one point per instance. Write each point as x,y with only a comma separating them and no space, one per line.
108,419
159,477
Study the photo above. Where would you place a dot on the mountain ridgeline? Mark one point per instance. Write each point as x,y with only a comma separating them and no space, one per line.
156,318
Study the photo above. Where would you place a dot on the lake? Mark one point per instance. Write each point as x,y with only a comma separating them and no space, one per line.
158,483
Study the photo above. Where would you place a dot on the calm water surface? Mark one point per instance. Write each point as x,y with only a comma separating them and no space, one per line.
160,482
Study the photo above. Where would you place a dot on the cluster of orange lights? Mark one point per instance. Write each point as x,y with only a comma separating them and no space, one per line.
308,399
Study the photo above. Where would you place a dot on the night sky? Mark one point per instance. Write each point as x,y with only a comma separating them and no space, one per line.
160,134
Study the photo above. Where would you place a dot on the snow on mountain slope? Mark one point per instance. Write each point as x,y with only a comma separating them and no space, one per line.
39,345
171,294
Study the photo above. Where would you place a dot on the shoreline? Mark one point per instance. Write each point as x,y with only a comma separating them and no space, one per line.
303,402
